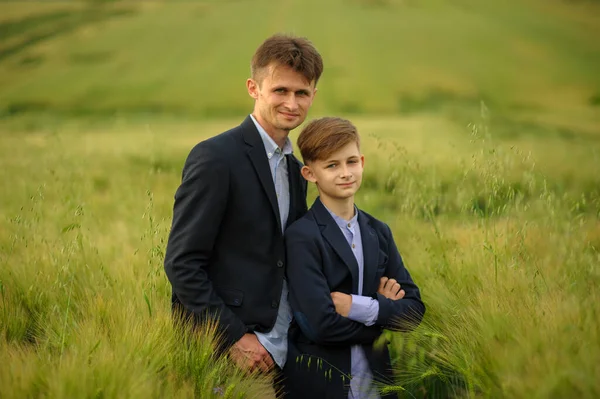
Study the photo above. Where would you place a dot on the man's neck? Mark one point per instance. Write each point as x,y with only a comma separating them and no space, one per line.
279,136
343,208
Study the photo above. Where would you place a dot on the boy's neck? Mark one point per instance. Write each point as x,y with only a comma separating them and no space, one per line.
343,208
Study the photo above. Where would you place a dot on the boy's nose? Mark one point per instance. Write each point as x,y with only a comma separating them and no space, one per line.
344,171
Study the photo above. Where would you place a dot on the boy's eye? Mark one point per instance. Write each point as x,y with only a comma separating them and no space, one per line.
332,165
280,90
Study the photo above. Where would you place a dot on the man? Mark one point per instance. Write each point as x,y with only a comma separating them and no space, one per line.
225,257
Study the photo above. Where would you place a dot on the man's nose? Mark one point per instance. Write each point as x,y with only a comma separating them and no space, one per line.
291,103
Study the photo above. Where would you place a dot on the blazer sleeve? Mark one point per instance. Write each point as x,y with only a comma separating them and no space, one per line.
406,313
199,208
310,297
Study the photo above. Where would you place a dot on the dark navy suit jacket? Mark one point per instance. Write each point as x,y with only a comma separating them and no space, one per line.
320,261
226,254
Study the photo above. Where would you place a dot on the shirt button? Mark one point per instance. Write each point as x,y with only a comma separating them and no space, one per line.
274,304
279,263
353,246
349,225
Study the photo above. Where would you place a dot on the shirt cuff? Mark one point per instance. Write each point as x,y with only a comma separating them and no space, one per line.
364,310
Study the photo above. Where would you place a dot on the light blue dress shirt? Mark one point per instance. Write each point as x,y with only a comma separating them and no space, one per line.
363,310
275,341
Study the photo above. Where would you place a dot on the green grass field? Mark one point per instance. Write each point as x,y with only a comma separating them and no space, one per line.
481,131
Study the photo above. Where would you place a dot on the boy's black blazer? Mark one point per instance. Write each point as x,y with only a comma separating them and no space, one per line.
226,252
320,261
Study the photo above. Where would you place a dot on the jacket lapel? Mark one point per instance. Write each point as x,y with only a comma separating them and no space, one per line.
295,188
258,156
332,234
370,244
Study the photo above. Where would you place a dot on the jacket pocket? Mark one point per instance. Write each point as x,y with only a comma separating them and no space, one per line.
231,296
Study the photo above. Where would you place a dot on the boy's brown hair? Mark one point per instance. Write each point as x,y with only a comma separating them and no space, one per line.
322,137
296,52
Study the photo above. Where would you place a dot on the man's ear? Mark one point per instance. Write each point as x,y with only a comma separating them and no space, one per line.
308,174
252,87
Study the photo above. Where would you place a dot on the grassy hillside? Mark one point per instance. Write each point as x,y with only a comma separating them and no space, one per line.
527,58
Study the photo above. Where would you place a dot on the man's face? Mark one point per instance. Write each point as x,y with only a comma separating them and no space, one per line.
283,97
340,175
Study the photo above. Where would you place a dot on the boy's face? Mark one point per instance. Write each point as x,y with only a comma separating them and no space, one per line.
340,175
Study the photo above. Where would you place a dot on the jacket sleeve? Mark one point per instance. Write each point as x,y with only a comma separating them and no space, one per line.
200,203
310,297
406,313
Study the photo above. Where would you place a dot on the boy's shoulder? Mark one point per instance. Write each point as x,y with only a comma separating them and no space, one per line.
377,224
305,224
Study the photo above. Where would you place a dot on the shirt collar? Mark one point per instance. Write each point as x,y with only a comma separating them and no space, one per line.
270,146
344,224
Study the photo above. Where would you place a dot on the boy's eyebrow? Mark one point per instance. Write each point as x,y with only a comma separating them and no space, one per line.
336,160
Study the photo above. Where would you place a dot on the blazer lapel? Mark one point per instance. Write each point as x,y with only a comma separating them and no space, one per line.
370,244
332,234
295,186
256,151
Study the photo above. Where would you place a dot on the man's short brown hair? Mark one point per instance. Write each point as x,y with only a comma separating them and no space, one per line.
322,137
296,52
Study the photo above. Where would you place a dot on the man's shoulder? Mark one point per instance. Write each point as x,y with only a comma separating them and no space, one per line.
221,144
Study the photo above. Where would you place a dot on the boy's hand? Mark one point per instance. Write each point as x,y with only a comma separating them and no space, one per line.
342,302
389,288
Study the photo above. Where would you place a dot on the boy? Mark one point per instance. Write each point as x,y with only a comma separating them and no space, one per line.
346,278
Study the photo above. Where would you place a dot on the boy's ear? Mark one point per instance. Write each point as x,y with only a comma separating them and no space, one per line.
362,160
308,174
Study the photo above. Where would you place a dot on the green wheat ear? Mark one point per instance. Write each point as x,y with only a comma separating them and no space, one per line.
382,340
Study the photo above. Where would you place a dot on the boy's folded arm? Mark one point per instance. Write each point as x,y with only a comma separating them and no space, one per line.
406,313
364,310
310,298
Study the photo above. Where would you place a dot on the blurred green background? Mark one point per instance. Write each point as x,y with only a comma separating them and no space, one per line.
480,123
534,61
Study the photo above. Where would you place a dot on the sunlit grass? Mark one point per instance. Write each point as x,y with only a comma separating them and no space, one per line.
504,247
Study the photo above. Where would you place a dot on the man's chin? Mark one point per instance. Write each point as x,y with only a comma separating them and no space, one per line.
290,124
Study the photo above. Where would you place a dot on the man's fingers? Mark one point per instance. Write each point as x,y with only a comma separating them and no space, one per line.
395,288
263,366
268,361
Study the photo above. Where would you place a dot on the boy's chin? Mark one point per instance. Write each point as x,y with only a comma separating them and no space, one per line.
340,196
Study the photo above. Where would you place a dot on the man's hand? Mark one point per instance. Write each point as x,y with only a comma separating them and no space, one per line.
342,302
389,288
249,354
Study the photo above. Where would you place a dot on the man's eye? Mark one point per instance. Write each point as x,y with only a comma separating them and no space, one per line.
279,90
